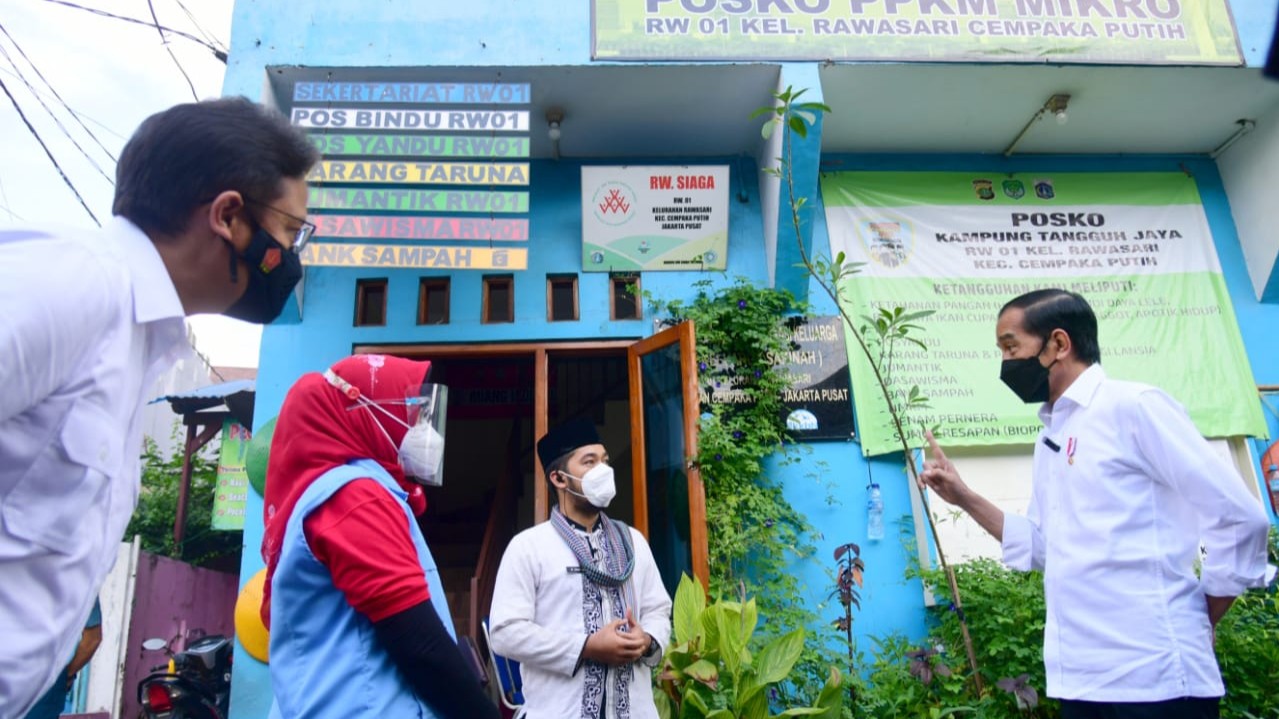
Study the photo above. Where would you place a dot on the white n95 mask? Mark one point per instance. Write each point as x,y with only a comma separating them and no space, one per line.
422,454
598,486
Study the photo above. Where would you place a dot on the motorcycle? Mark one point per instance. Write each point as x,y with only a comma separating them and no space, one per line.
194,684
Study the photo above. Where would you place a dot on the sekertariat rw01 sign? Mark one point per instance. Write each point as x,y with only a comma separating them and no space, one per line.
1127,32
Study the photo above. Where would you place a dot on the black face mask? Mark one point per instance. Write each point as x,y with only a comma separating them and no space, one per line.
274,271
1027,378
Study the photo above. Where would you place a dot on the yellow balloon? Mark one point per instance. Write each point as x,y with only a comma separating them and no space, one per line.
249,629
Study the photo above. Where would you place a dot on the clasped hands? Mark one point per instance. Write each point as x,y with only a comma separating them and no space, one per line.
618,643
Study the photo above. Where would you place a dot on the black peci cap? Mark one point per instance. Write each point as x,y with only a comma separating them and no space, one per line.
566,438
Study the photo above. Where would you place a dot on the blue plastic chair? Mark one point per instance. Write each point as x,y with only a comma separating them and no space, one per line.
507,671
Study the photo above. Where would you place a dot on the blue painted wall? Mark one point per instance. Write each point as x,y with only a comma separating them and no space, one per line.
1255,23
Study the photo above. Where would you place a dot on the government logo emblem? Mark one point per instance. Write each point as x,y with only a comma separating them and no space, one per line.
1015,189
887,243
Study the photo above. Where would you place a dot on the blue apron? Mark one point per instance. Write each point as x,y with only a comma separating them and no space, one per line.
326,662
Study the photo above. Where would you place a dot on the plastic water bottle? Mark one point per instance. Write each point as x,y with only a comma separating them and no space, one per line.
875,514
1273,477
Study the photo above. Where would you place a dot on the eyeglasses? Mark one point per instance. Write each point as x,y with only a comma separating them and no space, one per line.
305,228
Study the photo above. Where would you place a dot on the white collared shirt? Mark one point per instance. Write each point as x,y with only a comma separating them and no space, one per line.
1116,518
537,619
89,320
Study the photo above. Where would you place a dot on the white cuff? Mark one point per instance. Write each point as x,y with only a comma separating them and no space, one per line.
1018,543
1232,585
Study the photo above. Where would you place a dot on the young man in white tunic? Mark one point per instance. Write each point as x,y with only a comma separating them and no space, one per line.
1124,490
578,600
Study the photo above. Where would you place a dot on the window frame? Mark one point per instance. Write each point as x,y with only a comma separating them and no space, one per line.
628,279
562,278
423,308
362,288
486,302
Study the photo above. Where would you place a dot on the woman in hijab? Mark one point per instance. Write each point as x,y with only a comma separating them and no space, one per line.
359,623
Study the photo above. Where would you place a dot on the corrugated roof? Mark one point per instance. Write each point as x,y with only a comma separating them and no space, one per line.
213,391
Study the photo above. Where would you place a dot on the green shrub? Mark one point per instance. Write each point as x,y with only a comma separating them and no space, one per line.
1248,651
1005,611
895,687
711,672
157,509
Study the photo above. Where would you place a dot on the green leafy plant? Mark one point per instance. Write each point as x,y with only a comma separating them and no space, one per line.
756,536
878,333
157,510
710,672
907,681
1006,609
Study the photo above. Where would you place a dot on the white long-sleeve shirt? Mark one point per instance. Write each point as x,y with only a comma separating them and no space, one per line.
537,620
88,320
1116,517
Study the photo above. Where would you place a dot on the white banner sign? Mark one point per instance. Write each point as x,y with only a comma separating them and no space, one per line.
654,218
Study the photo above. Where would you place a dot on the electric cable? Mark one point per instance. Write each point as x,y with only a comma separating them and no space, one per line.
56,120
218,53
4,198
165,41
80,115
205,33
52,159
45,80
13,216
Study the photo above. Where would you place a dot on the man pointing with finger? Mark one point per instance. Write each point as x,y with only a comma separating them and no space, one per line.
578,599
1124,491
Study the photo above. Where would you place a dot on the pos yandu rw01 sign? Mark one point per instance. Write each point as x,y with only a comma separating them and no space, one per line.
232,489
1130,32
1136,245
654,218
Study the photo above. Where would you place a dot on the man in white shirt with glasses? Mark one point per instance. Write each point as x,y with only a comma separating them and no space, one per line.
1124,490
209,217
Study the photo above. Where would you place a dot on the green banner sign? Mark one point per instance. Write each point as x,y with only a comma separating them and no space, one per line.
401,200
233,481
1130,32
1136,245
421,145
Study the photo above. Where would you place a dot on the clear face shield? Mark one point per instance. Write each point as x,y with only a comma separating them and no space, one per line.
421,453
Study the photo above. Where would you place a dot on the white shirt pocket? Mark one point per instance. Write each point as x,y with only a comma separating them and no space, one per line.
48,505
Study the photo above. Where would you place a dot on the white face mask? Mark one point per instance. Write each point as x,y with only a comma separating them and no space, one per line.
598,486
421,453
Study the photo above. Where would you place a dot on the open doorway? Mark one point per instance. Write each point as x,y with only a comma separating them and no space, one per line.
641,395
487,469
490,490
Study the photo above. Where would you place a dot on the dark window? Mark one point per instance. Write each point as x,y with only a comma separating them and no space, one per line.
499,299
561,298
624,297
433,301
370,303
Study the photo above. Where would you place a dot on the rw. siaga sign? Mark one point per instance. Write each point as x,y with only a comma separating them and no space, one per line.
1131,32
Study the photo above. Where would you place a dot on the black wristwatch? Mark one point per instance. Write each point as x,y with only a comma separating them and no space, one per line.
653,647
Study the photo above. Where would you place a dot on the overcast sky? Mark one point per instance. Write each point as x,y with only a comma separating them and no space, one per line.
113,74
